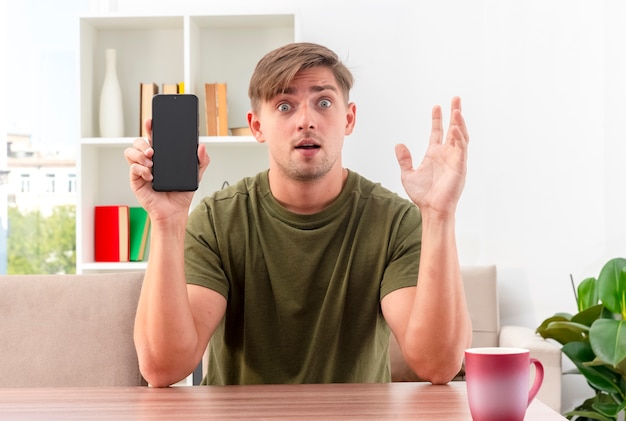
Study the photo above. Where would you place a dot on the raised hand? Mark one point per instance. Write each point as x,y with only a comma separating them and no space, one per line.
436,185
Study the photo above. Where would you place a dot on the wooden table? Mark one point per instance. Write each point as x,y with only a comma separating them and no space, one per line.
398,401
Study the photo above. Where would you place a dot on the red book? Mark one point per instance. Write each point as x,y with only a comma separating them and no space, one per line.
111,234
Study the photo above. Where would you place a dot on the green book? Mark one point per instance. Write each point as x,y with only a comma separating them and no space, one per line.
139,233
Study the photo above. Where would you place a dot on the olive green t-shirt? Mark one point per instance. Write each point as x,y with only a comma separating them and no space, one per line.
303,291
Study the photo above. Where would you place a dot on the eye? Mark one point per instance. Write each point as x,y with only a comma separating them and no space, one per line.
284,107
325,103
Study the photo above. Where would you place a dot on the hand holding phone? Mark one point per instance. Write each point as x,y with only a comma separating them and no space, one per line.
175,142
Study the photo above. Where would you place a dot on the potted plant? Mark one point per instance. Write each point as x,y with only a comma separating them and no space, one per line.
594,340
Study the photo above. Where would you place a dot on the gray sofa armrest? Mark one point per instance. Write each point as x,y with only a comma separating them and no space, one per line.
549,353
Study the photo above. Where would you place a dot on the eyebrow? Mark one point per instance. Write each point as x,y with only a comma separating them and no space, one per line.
314,88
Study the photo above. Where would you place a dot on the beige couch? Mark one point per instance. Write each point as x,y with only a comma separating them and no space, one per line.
68,330
76,330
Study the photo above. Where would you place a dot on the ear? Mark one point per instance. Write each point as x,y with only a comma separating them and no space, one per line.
255,127
350,118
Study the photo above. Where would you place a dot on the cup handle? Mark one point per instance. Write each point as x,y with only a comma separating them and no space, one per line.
538,379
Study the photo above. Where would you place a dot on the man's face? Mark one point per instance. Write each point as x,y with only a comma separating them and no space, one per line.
304,127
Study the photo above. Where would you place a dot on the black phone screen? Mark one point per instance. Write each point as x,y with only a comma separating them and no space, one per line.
175,142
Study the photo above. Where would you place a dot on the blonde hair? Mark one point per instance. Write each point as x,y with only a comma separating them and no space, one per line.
276,69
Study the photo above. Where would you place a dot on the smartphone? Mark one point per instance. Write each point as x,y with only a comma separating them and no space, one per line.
175,142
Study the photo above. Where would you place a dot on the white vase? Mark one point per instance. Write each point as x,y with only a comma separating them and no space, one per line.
111,111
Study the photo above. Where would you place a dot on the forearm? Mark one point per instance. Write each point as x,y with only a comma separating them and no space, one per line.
165,332
439,328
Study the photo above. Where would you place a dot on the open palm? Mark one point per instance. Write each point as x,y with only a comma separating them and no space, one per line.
437,183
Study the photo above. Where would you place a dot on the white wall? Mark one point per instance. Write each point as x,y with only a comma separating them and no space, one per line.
543,95
543,87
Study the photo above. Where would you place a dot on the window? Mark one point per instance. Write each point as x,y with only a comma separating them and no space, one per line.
71,183
50,187
40,148
24,183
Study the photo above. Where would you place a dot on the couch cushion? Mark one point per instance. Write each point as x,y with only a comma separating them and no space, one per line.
69,330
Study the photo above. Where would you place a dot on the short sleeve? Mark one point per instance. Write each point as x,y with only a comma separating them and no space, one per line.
405,250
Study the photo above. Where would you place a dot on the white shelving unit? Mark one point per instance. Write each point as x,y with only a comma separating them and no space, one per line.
194,49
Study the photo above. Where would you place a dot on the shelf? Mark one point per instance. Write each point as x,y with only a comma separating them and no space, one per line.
149,49
159,49
194,49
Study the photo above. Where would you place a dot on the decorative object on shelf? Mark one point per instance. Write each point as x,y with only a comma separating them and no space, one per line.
111,109
594,339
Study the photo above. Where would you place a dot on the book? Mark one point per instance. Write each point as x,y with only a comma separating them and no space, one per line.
222,110
139,233
111,233
216,105
241,131
170,88
210,104
146,92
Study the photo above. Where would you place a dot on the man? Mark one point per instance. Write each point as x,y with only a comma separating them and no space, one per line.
298,274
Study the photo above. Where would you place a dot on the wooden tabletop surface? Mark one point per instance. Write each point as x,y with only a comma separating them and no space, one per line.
398,401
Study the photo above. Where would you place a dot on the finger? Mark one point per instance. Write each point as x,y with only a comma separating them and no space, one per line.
456,138
455,104
133,154
403,155
142,144
138,171
148,125
436,131
456,117
458,121
203,160
140,153
457,132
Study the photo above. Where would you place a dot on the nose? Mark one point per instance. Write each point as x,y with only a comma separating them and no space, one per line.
305,118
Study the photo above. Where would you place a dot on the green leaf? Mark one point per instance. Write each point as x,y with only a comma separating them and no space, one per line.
608,409
566,331
608,340
622,407
555,318
589,315
621,369
612,286
588,415
544,331
587,410
598,377
587,294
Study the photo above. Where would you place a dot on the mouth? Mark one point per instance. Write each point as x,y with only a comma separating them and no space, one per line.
306,144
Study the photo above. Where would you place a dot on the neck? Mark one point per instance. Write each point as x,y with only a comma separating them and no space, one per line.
307,197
